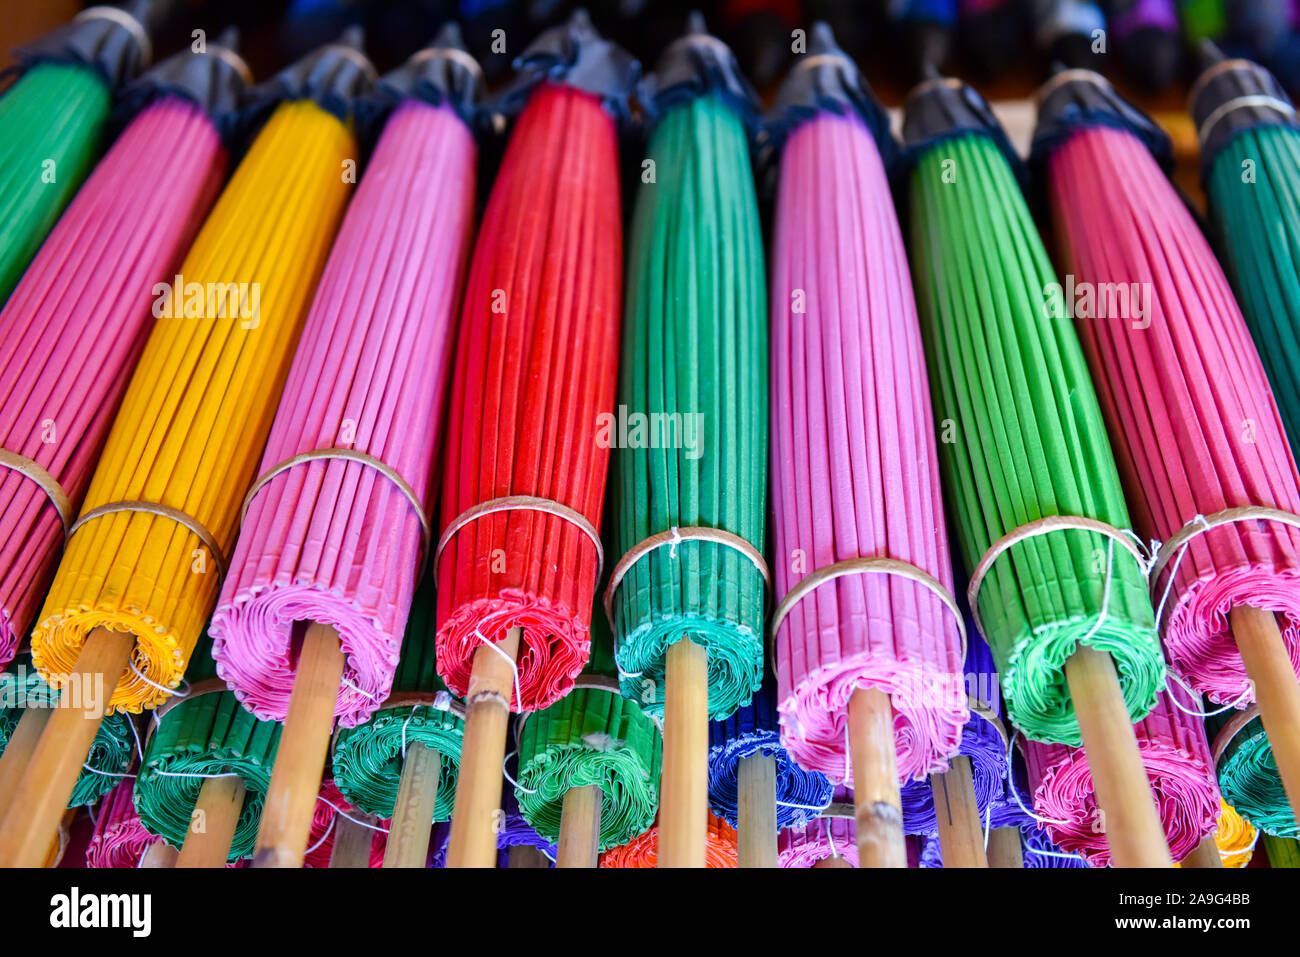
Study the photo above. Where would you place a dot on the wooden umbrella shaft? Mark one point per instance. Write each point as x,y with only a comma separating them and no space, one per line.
159,854
474,826
41,796
877,796
580,827
1005,849
18,753
684,787
1206,855
212,826
1277,692
1129,815
300,756
960,836
525,855
417,793
756,810
352,841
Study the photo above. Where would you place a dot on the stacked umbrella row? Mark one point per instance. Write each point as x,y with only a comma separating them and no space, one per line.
227,501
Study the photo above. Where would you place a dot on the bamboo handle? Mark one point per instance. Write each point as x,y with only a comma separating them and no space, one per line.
417,793
18,753
1129,816
580,827
1206,854
876,794
159,854
300,757
833,862
473,840
756,780
1276,690
684,782
352,842
221,801
960,836
42,794
60,843
1004,848
525,855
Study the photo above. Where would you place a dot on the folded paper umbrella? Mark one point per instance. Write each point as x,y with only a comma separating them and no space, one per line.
868,639
1282,851
1200,443
112,754
141,569
310,619
119,839
519,556
643,850
755,785
1250,161
402,763
1039,851
828,840
1057,586
1247,770
589,764
937,806
53,118
209,760
1176,759
686,597
75,325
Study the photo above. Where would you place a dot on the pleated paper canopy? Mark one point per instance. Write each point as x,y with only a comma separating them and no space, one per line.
147,554
855,473
1247,771
591,736
369,757
112,753
691,430
196,737
74,326
833,834
1177,759
751,731
52,119
1022,436
1197,432
1251,166
119,839
337,521
535,370
720,848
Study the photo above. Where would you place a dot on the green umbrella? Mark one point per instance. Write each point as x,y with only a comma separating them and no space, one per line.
1035,494
1282,851
411,745
1251,162
596,740
206,760
692,426
52,120
1247,770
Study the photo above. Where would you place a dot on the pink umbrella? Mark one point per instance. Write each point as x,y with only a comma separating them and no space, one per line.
1198,437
